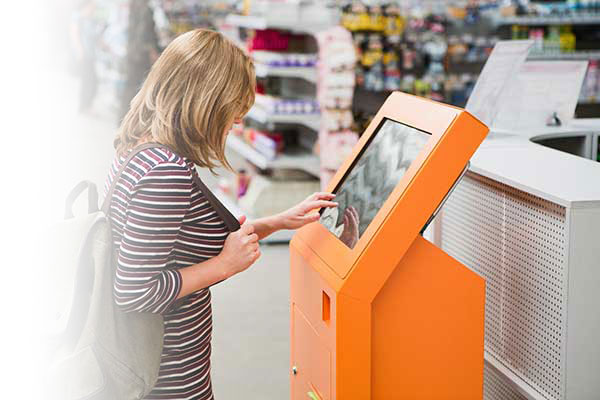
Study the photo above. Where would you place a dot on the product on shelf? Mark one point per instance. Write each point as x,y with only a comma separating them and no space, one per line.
334,92
174,17
269,144
567,39
279,106
335,147
337,119
224,186
269,39
422,55
377,31
243,180
275,59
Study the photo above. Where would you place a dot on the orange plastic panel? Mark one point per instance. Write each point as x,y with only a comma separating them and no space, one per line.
306,296
427,329
311,359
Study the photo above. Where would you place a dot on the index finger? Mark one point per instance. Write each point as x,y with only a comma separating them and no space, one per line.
313,205
322,196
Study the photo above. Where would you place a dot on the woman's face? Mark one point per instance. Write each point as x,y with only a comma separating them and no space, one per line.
236,121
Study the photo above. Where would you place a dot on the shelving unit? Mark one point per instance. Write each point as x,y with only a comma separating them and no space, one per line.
300,160
550,20
311,121
276,22
289,84
576,55
307,73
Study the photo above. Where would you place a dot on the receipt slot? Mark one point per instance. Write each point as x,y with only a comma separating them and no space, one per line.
377,311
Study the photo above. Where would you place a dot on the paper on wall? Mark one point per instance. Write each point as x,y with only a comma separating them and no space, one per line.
504,62
540,89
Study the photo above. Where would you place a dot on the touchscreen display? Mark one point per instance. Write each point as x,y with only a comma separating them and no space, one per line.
372,178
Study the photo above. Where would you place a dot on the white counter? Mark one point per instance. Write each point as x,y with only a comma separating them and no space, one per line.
527,219
565,179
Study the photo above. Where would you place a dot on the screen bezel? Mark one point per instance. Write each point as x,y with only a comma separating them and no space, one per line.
361,152
421,114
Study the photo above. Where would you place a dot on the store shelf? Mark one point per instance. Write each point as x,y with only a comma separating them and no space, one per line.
303,161
576,55
275,22
307,73
582,19
311,121
282,236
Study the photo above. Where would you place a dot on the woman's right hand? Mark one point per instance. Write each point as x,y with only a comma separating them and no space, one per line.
241,249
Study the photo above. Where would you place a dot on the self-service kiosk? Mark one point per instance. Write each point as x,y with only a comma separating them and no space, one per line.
377,311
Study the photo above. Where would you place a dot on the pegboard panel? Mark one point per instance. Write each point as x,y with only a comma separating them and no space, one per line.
516,241
497,387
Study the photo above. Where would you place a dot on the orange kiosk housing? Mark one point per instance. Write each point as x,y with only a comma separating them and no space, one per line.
390,316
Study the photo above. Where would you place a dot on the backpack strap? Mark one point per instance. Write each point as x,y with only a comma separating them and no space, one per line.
231,222
76,191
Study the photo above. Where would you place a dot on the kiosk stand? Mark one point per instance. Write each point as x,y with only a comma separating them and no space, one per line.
378,312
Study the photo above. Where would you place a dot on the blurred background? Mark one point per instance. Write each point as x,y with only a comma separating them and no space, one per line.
70,68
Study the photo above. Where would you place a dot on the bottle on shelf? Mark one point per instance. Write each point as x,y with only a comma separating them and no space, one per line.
537,35
243,180
567,39
552,42
573,6
517,32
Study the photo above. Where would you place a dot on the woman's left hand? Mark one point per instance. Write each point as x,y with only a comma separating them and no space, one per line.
303,213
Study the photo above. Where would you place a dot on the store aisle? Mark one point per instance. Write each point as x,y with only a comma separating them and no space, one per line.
251,330
251,310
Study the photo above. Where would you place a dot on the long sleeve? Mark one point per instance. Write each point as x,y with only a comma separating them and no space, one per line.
146,280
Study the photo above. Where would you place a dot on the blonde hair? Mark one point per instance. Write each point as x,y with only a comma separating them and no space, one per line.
195,90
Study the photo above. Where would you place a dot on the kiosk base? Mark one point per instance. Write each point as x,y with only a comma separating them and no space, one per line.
420,338
428,329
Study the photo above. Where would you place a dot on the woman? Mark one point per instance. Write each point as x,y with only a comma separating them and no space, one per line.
172,246
142,50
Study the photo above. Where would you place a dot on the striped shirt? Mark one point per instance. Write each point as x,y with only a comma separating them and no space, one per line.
161,222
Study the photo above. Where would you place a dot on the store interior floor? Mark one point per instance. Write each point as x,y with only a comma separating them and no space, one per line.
251,310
